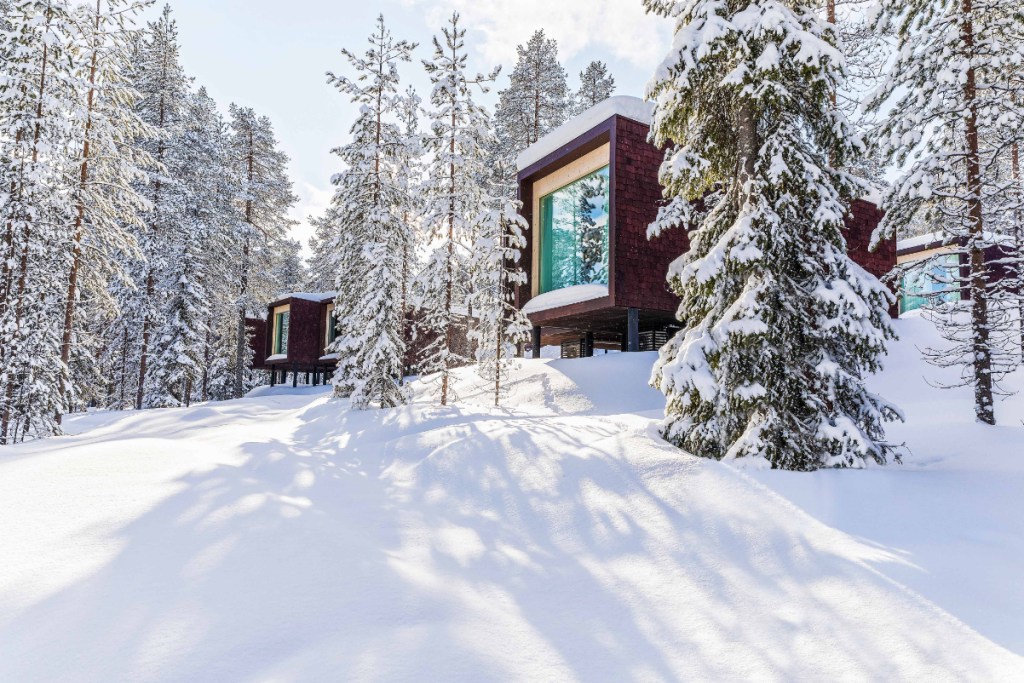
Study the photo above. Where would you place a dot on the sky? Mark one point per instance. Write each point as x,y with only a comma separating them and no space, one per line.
272,55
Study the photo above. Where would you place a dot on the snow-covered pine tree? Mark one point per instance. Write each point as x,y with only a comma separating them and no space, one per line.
780,326
501,326
536,101
953,115
199,242
107,203
262,206
410,178
163,89
37,93
372,206
456,201
596,85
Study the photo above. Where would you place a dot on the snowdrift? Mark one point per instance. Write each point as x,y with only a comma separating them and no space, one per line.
283,537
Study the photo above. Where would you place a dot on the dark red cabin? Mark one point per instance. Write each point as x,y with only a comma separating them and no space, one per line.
589,191
298,332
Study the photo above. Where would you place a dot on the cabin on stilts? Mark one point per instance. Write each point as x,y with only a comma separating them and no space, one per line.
589,190
299,328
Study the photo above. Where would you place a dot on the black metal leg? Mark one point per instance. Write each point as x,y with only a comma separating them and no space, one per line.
536,342
588,345
633,330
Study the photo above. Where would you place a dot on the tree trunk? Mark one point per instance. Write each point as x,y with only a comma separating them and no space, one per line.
746,148
241,339
982,352
1018,233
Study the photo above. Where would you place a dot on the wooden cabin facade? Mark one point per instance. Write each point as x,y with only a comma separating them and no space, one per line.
298,330
589,190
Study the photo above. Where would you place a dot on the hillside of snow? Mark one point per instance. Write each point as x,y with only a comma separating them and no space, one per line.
282,537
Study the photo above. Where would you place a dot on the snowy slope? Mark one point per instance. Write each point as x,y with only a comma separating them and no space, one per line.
281,537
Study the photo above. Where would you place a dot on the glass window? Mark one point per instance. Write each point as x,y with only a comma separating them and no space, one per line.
933,282
574,237
332,327
281,321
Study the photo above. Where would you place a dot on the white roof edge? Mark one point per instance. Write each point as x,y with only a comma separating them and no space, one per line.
626,106
307,296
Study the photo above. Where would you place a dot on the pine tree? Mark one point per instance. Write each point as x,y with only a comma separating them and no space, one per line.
197,244
596,85
502,326
535,102
107,205
456,201
953,117
37,94
262,205
372,209
163,89
780,325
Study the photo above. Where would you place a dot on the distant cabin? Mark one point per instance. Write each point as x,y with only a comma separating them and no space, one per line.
589,189
932,261
298,329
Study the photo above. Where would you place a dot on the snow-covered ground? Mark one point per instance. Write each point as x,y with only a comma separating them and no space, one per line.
284,538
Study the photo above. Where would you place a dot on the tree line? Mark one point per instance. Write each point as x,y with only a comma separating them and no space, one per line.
138,226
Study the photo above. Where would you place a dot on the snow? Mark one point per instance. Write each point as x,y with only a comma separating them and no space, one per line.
564,297
622,105
275,357
931,239
309,296
283,537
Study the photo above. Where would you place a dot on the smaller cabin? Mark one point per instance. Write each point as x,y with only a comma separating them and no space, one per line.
298,330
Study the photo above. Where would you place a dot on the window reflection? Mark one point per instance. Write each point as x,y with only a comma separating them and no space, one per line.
574,242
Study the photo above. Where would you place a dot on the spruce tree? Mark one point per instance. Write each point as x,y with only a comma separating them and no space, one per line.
596,85
952,99
372,211
780,326
457,203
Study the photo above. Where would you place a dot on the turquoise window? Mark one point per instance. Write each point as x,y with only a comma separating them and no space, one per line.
936,281
574,233
281,321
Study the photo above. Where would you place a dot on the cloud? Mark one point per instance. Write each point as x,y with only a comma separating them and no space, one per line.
620,28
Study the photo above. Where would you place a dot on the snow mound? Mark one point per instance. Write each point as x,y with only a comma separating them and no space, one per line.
285,537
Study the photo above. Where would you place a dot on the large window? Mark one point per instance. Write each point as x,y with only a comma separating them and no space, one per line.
933,282
281,320
332,327
574,237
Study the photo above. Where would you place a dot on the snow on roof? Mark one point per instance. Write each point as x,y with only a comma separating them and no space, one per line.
309,296
622,105
564,297
936,239
919,241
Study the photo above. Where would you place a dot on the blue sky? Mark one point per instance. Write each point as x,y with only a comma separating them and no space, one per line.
272,55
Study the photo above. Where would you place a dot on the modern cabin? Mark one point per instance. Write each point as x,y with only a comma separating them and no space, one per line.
589,190
299,328
933,266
